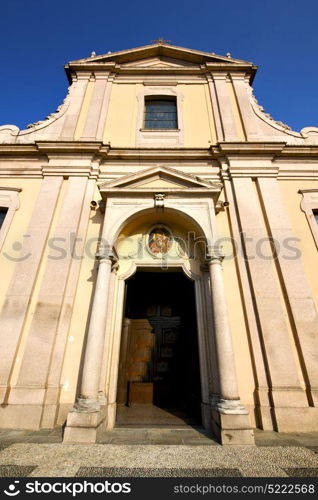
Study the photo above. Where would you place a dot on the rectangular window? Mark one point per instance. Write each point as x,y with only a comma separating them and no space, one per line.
316,215
3,213
161,113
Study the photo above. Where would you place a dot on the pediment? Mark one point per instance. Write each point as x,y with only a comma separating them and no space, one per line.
159,179
156,58
158,62
160,53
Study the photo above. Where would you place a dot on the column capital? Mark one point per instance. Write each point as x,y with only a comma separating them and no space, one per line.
219,75
214,256
104,252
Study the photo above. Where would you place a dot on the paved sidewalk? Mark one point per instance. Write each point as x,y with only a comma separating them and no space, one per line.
157,452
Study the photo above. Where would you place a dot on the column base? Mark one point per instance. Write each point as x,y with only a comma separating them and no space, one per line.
84,426
230,423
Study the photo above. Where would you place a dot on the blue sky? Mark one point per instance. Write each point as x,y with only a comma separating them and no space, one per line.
39,37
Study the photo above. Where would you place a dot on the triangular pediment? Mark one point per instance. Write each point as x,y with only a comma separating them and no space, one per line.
158,62
162,51
156,58
158,178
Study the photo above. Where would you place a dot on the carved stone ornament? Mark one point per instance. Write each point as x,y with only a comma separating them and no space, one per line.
159,199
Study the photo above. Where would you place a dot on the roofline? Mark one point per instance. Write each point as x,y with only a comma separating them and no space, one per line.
163,45
106,62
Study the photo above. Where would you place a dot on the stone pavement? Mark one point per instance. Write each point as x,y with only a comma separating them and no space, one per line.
156,452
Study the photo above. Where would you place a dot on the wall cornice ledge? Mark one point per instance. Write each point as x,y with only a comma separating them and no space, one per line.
252,171
6,188
259,147
296,150
160,153
16,149
72,147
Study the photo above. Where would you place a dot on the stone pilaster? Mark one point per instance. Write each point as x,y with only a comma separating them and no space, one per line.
47,312
20,290
74,108
250,121
298,292
98,108
287,394
264,415
55,370
215,109
225,107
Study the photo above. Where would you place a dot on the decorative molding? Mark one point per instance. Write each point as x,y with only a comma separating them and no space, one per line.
136,185
8,133
98,160
266,117
161,138
160,83
308,204
9,198
159,200
310,134
58,113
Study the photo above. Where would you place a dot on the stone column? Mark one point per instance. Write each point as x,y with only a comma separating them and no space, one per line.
230,419
85,419
88,399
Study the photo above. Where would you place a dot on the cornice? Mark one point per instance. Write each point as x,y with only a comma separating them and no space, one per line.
18,149
296,150
239,147
158,153
75,70
87,158
143,191
71,147
6,188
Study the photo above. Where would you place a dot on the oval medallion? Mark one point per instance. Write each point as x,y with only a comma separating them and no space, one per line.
160,240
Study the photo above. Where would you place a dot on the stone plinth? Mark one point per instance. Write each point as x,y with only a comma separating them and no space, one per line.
83,427
230,423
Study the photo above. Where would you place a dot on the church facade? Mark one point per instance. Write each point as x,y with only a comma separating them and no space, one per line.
158,248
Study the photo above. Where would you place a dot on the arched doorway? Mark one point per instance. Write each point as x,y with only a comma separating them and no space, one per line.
159,369
137,260
133,220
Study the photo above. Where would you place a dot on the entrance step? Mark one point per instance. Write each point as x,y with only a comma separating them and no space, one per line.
153,416
134,436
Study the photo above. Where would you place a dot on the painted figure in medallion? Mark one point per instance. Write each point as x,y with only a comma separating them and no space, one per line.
160,240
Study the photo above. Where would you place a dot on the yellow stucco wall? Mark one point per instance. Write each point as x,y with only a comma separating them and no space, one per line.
292,199
122,118
199,130
121,123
